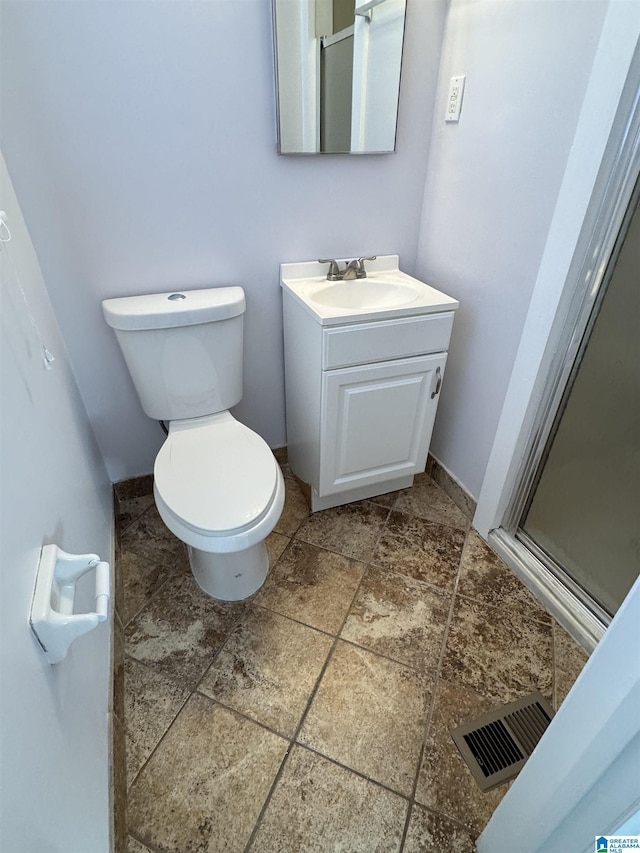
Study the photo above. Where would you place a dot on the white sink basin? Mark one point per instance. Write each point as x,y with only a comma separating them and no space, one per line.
385,293
364,293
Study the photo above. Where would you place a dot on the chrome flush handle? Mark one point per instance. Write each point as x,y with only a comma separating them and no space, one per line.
438,382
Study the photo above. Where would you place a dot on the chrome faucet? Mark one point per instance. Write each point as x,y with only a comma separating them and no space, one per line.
334,273
354,269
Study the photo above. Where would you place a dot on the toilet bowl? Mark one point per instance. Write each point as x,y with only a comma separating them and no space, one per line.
217,485
218,488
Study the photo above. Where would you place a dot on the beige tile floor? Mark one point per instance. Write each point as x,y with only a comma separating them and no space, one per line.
317,716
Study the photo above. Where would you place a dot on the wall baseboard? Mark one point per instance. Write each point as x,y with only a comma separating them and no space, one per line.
118,741
434,468
134,487
450,486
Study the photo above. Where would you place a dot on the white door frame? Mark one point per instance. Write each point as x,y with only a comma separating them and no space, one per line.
598,181
582,779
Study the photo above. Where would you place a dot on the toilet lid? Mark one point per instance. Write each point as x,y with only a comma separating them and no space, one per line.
218,478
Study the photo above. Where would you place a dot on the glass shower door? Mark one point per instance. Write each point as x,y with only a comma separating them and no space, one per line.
583,514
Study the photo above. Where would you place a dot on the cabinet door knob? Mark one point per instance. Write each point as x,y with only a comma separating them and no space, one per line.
438,382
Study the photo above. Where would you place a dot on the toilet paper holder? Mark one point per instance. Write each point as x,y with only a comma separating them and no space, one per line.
52,618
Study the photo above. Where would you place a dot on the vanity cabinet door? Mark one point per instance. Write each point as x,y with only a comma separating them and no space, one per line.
377,421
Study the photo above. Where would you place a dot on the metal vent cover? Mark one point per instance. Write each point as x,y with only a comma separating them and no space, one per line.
496,745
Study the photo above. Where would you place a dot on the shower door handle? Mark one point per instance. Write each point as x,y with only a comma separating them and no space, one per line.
438,382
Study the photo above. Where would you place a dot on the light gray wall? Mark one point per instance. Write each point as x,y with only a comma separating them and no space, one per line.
54,779
491,188
141,141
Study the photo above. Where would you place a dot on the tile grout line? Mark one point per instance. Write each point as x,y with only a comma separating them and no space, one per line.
554,686
420,672
243,715
208,698
346,640
474,833
337,637
412,798
129,785
323,631
174,681
163,675
192,692
153,595
438,677
501,608
383,526
165,732
358,773
133,521
445,593
436,682
241,618
301,722
151,847
293,740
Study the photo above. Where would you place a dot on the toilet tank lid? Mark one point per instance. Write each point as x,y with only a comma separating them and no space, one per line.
174,308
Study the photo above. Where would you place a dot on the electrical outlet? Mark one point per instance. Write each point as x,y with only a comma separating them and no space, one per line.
456,88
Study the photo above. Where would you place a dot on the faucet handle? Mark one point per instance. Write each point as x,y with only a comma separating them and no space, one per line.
362,273
334,273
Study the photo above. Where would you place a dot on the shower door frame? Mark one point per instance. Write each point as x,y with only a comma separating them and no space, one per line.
607,245
508,485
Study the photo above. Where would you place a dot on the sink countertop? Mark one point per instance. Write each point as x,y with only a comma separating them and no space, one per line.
303,280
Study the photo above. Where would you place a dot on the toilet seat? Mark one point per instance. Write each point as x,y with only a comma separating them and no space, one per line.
217,484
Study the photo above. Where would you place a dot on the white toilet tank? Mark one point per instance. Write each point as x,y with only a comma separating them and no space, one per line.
183,350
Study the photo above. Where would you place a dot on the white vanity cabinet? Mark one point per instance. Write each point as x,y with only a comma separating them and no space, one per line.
362,389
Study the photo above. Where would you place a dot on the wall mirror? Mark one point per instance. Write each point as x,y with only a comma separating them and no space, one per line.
338,74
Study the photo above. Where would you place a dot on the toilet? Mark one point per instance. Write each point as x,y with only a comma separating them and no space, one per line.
217,485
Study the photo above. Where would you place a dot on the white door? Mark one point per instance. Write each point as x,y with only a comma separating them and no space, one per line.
378,421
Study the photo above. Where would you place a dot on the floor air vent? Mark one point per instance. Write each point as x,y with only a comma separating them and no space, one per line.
496,745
